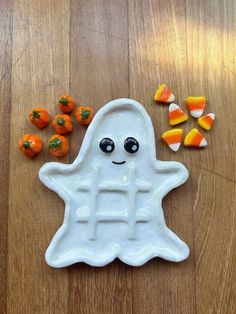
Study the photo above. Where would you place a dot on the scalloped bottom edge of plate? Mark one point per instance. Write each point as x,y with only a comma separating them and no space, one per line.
100,262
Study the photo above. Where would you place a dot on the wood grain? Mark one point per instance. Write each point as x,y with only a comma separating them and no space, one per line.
98,51
5,104
212,27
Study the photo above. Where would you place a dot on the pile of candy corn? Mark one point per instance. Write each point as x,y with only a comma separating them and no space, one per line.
196,106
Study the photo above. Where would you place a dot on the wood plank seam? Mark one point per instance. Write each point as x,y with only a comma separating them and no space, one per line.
5,102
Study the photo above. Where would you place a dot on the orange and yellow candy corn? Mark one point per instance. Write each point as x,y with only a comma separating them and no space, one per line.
173,138
196,105
195,139
176,115
206,121
164,94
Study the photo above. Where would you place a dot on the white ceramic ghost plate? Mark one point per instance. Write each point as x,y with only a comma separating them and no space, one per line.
113,193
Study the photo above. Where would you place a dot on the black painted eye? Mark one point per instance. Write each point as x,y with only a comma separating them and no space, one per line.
107,145
131,145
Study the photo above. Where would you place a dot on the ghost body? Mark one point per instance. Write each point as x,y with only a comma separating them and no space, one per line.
113,193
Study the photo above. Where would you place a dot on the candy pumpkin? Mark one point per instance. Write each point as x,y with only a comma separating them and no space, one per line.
39,117
62,124
84,115
30,145
66,104
58,145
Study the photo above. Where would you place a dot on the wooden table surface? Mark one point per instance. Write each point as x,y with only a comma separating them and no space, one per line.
98,50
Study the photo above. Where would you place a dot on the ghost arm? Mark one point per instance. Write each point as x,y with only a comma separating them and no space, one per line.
171,175
56,177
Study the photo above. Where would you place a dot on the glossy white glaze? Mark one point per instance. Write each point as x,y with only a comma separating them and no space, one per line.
115,210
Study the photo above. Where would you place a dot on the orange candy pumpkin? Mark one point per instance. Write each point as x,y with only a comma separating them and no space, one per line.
58,145
62,124
66,104
39,117
84,115
30,145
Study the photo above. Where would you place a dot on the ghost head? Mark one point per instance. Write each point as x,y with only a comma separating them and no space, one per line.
121,133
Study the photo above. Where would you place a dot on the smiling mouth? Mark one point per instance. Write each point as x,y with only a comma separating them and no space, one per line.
119,163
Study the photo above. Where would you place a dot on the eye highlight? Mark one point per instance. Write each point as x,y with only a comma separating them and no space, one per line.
131,145
107,145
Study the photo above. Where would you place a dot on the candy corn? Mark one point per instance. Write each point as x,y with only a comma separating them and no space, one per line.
196,105
176,115
206,121
164,94
195,139
173,138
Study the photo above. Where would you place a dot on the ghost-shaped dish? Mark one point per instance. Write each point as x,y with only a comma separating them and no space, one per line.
113,193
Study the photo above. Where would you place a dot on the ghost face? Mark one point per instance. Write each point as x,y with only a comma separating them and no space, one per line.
131,145
121,137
